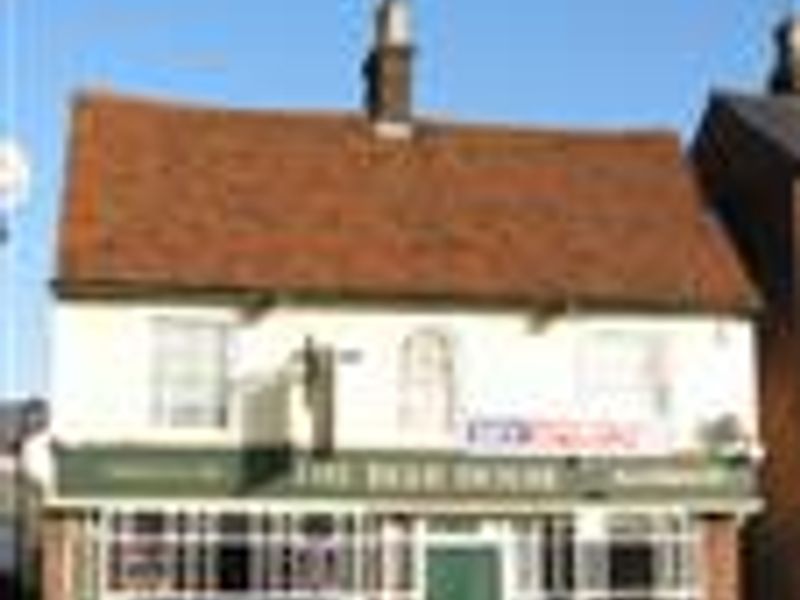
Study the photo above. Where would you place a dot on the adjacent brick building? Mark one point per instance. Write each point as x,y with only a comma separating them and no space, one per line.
747,151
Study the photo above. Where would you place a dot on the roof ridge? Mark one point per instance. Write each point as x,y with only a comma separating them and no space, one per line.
92,96
100,94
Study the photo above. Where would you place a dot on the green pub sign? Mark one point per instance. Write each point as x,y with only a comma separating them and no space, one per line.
280,472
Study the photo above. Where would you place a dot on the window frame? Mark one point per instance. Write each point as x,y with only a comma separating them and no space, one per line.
372,554
645,393
217,404
427,376
550,542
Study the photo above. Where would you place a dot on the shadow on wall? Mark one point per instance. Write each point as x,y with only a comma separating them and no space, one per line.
265,421
265,410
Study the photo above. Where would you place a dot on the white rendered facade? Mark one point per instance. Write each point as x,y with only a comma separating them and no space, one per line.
417,401
505,365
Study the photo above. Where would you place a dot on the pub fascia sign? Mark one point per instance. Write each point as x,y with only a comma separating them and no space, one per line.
216,472
428,477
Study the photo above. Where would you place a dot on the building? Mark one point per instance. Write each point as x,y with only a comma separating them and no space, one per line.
20,493
748,155
377,356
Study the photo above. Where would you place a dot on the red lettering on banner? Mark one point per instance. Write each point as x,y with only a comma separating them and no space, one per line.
555,435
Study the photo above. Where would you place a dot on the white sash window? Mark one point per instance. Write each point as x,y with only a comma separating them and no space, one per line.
624,372
190,371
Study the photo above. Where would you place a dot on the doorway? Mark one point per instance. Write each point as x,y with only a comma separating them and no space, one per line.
463,573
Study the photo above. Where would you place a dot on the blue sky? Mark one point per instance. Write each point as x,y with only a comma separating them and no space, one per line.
553,63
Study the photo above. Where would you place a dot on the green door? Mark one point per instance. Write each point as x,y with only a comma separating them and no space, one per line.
463,573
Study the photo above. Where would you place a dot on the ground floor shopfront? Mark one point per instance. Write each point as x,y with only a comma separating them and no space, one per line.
463,535
150,552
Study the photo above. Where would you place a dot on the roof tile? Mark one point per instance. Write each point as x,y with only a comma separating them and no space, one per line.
187,197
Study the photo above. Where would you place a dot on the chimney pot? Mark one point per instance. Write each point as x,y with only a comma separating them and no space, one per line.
394,26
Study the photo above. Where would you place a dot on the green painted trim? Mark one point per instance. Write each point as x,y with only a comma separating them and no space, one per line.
252,473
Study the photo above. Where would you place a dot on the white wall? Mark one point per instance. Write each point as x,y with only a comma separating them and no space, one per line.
507,364
103,377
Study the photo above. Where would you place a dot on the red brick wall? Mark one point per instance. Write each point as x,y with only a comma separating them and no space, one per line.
753,186
52,557
60,532
720,559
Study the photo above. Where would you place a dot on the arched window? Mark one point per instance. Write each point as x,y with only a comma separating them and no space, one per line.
427,383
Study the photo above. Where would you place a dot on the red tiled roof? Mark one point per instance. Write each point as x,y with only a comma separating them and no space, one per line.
186,198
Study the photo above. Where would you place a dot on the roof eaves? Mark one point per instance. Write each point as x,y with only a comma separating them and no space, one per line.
108,290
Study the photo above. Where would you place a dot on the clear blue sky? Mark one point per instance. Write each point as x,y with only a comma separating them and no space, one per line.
586,63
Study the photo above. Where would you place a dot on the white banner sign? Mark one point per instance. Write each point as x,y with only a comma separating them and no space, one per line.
558,436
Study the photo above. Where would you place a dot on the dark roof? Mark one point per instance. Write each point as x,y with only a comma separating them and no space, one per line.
19,419
167,196
775,116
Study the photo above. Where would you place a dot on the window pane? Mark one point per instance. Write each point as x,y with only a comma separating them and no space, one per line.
317,525
347,579
233,566
624,369
594,566
234,524
192,568
148,523
116,576
138,564
558,556
190,371
631,566
427,382
237,554
528,566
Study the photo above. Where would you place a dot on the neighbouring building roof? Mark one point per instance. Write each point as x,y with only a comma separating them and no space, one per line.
774,116
163,196
19,419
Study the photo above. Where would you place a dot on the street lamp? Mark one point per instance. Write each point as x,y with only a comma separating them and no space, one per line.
14,179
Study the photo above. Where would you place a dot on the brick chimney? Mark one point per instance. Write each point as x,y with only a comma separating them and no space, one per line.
388,70
786,76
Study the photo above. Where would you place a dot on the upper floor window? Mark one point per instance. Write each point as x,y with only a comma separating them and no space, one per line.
190,372
427,382
624,371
